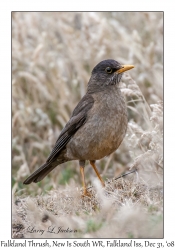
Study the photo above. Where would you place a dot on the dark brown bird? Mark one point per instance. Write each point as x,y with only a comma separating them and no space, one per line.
97,125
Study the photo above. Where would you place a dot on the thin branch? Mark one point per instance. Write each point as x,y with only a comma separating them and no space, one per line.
135,170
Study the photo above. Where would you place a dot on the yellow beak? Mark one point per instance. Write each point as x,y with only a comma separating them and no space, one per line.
124,68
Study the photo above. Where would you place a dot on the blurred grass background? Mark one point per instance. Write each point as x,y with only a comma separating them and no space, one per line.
53,54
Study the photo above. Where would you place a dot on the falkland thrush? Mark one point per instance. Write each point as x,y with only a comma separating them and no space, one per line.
97,125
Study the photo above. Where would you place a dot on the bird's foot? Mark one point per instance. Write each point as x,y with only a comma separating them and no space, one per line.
86,194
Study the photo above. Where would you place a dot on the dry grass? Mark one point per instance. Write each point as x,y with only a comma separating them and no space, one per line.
52,57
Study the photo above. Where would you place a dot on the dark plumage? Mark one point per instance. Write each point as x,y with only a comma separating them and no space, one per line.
97,125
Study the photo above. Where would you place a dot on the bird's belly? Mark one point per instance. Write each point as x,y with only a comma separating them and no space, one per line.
100,135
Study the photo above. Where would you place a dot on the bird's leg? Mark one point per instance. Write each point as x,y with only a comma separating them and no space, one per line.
97,173
82,165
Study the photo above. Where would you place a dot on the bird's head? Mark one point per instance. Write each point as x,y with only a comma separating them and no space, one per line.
106,73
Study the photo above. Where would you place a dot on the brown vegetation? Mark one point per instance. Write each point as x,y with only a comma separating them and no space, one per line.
52,58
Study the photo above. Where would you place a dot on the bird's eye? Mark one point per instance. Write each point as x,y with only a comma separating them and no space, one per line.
108,70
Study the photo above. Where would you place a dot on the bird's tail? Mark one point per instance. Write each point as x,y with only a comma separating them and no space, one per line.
41,172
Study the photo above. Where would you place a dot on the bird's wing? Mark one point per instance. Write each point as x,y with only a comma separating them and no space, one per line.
78,118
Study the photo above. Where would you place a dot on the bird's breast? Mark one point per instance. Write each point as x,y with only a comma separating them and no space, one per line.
104,129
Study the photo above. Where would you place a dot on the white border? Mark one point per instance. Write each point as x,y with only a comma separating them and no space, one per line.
5,92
